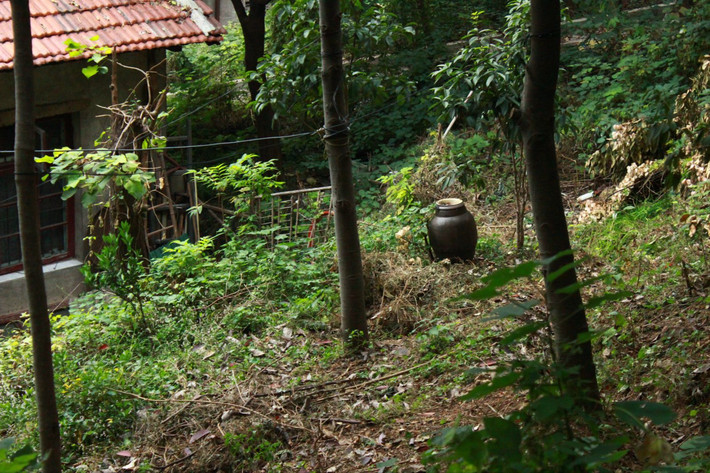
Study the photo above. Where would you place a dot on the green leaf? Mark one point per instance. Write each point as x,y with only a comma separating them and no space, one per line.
579,285
608,452
696,444
507,438
499,382
552,259
135,187
521,332
71,44
560,271
500,278
90,71
547,407
68,192
387,463
88,198
7,443
514,309
45,159
631,412
597,301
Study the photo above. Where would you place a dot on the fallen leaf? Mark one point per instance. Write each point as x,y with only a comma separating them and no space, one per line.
124,453
208,355
198,435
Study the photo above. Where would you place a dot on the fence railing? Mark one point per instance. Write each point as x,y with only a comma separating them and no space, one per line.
297,215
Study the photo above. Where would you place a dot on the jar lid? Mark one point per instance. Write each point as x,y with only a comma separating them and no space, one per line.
450,202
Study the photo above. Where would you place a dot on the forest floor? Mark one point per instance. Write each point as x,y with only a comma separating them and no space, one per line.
303,406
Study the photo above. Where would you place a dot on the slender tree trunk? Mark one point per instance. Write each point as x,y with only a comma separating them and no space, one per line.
254,34
337,132
28,210
537,126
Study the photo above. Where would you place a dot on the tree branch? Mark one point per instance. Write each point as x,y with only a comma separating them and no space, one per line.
241,12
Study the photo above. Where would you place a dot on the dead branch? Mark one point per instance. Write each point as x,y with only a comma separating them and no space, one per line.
216,403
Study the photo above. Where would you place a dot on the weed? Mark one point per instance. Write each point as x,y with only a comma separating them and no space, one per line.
255,449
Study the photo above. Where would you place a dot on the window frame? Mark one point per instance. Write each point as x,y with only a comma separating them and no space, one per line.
8,168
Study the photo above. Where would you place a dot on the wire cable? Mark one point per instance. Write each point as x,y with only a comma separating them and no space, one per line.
178,147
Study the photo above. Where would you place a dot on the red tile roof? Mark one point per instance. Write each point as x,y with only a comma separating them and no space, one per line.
124,25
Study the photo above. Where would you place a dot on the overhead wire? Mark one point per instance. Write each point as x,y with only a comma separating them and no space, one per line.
325,133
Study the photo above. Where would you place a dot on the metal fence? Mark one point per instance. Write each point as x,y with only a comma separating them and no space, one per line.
303,215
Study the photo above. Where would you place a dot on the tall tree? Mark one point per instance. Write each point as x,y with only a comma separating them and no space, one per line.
28,211
254,34
537,123
337,133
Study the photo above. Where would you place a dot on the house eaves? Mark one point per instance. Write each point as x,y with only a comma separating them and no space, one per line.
123,25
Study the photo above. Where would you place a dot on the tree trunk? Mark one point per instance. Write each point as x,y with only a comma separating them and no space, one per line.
28,211
352,299
254,33
567,315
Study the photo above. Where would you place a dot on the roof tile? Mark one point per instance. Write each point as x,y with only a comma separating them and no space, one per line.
124,25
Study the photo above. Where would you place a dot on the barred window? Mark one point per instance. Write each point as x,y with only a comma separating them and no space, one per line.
56,216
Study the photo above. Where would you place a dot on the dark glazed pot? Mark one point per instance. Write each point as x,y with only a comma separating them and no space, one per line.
452,231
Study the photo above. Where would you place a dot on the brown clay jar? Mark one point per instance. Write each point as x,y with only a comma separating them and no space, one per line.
452,231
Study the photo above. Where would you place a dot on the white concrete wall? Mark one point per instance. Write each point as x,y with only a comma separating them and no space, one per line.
60,89
63,283
225,13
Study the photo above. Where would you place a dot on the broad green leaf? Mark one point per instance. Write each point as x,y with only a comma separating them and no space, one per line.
521,332
387,463
579,285
608,452
45,159
90,71
499,382
500,278
696,444
71,44
551,259
7,443
486,292
560,271
597,301
68,192
514,309
507,437
135,187
472,448
631,412
88,198
547,407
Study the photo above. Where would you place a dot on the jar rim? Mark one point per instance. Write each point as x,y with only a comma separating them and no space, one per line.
448,202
